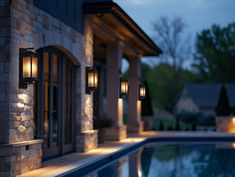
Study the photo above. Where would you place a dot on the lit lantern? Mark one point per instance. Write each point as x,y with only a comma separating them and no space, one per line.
28,69
123,87
233,119
91,79
142,91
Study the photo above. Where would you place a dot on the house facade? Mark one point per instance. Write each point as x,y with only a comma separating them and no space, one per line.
203,97
54,115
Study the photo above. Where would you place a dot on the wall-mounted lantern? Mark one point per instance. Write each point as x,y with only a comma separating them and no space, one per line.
28,67
123,86
142,91
91,79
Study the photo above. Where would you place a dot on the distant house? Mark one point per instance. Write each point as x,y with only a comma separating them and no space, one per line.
203,97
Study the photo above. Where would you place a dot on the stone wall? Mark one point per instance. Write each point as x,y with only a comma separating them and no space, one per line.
86,136
19,158
5,37
22,25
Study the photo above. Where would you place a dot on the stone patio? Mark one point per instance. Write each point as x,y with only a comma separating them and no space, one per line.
71,161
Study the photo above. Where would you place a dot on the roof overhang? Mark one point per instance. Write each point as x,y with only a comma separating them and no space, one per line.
116,18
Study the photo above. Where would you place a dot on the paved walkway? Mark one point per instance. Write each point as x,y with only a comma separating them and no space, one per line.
68,162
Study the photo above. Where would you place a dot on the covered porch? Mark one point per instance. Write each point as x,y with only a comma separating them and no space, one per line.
113,36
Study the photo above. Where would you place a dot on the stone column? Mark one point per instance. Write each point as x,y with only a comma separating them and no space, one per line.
86,136
135,124
114,103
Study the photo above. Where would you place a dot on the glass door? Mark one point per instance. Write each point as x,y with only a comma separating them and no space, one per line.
50,111
55,103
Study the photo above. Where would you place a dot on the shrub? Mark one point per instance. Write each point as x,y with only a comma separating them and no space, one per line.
170,128
161,126
194,127
177,125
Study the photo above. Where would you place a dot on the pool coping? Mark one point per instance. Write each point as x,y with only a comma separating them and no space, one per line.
88,167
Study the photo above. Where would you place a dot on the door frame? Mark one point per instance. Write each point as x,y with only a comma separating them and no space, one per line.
62,59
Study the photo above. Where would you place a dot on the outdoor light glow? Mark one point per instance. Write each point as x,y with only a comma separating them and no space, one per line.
34,67
233,145
139,173
22,96
28,67
120,109
20,105
142,91
123,87
92,79
233,120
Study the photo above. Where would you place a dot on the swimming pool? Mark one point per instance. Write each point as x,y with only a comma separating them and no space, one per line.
174,160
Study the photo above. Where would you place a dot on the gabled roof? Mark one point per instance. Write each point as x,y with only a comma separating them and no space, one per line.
206,95
98,7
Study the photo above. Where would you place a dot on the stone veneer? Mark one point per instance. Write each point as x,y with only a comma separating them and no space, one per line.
22,25
19,158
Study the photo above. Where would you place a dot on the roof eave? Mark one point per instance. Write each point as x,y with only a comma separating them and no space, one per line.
118,13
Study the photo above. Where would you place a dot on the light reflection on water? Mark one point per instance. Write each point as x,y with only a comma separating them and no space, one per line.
174,160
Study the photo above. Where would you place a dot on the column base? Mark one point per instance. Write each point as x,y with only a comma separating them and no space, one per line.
136,127
86,141
115,133
19,158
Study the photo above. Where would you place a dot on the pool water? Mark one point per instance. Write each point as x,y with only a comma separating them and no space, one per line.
174,160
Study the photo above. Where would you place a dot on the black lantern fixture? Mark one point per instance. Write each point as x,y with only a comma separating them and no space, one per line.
28,67
142,91
123,86
91,79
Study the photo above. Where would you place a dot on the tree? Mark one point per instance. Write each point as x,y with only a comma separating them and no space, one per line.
170,37
147,109
215,54
223,106
168,77
162,85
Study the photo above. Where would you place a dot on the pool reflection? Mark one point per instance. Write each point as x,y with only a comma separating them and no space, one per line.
174,160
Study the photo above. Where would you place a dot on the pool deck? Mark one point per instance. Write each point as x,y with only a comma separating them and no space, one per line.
62,164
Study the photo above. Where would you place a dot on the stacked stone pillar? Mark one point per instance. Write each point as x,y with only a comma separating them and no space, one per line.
114,102
19,151
135,124
86,135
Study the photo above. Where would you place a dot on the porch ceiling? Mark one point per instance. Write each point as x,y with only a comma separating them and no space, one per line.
110,22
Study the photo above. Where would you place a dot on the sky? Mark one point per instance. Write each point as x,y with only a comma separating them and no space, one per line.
197,14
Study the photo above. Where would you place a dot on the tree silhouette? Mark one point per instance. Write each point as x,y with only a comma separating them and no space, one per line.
214,59
147,109
223,106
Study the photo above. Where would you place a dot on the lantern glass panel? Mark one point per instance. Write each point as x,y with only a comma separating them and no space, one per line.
142,91
92,79
34,67
26,67
124,87
96,80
